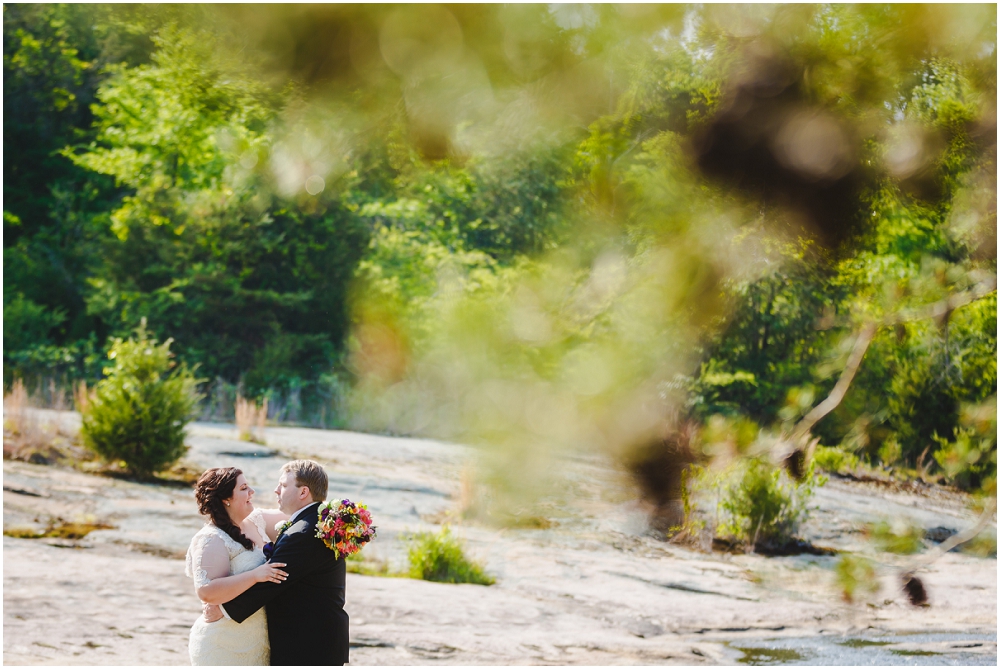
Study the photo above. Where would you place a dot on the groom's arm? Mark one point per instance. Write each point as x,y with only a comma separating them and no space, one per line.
300,556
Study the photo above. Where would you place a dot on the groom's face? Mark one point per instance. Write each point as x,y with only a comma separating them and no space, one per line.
291,496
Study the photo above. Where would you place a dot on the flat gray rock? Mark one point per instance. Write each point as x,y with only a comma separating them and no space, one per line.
594,588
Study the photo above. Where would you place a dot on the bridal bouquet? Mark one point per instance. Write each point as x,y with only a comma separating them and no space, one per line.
344,526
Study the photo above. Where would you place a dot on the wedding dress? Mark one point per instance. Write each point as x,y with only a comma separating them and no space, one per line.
226,642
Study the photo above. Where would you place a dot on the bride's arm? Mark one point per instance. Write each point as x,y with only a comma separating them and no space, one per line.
214,585
271,518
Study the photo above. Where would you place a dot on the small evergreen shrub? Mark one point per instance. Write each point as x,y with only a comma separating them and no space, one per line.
138,413
763,505
440,557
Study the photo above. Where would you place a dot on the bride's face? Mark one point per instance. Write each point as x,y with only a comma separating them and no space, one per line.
241,503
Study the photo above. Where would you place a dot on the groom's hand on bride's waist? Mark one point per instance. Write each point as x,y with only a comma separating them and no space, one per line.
211,612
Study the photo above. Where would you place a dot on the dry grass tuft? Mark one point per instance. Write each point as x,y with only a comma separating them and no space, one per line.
15,406
24,437
467,496
250,419
81,396
57,396
27,438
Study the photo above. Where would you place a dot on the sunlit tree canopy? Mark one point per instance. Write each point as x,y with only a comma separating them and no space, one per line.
658,232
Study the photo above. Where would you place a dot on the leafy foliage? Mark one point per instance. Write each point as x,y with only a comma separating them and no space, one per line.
251,288
763,505
771,343
971,458
56,213
440,557
138,412
459,240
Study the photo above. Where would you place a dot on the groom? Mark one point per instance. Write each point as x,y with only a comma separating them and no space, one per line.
306,621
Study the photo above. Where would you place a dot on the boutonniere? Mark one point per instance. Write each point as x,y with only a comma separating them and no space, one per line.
268,548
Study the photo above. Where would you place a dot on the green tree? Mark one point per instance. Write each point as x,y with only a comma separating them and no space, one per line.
55,212
773,340
50,75
599,205
252,284
138,413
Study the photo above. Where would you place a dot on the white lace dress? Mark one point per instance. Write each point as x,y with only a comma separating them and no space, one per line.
214,554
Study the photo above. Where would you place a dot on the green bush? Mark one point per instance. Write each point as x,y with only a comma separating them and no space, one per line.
969,460
763,505
835,460
440,557
138,413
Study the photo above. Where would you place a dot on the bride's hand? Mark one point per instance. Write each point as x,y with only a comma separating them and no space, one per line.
211,612
269,572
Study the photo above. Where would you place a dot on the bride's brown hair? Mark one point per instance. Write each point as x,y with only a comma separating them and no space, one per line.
212,488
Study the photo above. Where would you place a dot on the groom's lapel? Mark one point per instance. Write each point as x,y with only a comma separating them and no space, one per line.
301,524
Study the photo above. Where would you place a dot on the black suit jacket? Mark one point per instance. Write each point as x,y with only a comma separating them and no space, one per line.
306,621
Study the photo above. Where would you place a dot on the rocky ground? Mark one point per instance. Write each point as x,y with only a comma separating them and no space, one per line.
594,588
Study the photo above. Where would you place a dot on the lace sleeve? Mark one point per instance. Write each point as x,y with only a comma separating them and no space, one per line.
257,518
268,519
207,559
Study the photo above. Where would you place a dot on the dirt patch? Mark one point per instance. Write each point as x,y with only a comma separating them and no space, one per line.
888,482
58,529
179,478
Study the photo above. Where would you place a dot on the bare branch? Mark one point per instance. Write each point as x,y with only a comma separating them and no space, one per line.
865,337
956,539
942,308
939,309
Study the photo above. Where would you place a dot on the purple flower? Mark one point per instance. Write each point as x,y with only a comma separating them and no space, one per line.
268,550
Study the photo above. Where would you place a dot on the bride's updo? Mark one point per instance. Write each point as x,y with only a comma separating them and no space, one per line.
214,486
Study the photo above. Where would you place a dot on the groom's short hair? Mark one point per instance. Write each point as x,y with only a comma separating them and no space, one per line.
309,474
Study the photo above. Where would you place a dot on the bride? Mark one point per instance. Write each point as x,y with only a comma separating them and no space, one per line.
226,558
